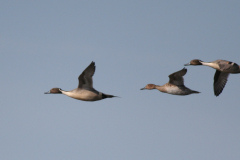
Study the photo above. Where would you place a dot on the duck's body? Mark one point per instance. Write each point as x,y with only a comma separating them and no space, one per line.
85,95
85,90
175,85
223,69
176,89
82,94
223,66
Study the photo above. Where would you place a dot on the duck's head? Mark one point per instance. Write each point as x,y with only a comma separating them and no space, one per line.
149,86
194,62
54,91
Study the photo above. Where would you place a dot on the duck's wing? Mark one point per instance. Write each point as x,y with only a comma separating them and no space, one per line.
176,78
220,80
85,79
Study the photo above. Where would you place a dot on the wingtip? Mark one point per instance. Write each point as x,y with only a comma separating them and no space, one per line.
92,64
184,70
217,94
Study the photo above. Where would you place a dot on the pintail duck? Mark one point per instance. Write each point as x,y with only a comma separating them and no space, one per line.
174,86
223,69
85,90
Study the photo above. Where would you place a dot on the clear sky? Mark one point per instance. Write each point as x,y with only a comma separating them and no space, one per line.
46,44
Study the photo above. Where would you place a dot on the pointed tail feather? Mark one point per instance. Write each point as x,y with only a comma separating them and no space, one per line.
195,91
107,96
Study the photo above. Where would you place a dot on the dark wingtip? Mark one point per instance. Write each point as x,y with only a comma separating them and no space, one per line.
217,93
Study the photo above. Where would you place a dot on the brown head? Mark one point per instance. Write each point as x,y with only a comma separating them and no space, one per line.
194,62
54,91
149,86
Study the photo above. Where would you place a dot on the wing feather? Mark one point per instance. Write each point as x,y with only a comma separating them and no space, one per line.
176,78
220,80
85,79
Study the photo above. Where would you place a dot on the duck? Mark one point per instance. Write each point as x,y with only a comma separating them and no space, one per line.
223,69
175,86
85,90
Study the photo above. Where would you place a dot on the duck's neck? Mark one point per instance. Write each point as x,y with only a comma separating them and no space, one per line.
65,92
210,64
160,88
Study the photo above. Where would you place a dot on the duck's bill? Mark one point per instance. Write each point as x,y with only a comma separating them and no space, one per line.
142,88
47,92
188,64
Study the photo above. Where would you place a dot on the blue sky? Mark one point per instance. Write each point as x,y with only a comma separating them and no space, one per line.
46,44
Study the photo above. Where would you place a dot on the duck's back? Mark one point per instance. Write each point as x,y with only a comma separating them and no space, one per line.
227,66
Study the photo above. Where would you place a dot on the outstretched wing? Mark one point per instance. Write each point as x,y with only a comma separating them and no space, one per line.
85,79
176,78
220,80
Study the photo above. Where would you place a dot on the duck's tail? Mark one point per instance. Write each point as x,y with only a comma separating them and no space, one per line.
107,96
195,91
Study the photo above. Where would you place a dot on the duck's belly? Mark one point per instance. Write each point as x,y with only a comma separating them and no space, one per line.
84,95
177,91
